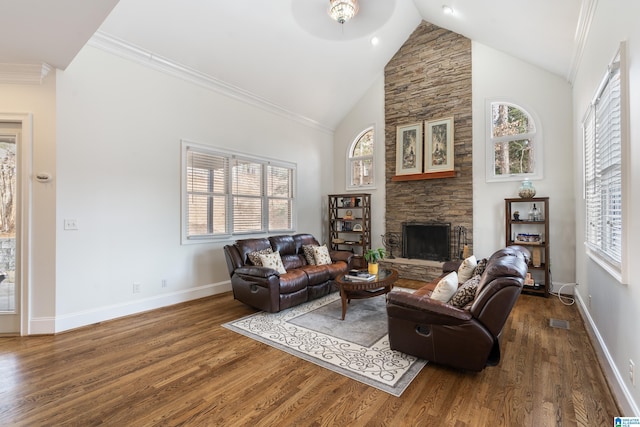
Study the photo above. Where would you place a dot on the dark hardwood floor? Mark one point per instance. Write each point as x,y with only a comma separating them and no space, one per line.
179,366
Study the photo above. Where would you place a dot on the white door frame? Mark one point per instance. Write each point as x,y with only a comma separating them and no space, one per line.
23,214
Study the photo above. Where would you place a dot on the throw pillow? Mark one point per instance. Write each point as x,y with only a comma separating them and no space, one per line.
254,257
274,261
465,271
308,254
466,293
446,287
482,265
321,255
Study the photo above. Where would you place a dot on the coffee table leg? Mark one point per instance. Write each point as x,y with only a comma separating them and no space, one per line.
344,303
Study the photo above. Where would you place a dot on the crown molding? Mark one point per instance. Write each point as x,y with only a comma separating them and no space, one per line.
23,74
123,49
587,11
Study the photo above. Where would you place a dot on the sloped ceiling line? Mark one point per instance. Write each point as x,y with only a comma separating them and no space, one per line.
121,48
587,11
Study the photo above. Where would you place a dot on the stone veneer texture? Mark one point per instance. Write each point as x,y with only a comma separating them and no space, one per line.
429,78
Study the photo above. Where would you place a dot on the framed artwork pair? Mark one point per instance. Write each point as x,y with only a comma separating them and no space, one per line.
437,148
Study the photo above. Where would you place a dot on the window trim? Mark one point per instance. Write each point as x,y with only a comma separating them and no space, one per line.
619,271
537,138
232,155
350,160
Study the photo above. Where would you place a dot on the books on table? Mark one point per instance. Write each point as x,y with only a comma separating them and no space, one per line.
363,277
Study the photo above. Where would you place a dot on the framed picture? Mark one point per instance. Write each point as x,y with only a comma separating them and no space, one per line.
439,145
409,149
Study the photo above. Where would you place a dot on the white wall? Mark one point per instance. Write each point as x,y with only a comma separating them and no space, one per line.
119,128
39,100
548,96
369,111
612,308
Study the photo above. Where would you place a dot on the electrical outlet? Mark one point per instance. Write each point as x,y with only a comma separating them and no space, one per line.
632,372
70,224
137,286
164,283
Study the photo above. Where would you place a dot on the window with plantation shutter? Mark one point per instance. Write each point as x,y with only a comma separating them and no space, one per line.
360,161
227,193
603,169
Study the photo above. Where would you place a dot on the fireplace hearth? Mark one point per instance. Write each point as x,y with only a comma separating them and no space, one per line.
428,241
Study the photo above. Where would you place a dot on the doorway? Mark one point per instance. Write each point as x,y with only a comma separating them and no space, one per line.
10,289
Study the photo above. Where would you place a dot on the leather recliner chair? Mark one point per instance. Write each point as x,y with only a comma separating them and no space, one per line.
466,338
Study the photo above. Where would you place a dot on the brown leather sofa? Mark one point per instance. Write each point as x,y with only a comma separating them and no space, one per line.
266,289
468,337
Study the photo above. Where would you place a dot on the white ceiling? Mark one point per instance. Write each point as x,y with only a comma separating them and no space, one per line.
288,53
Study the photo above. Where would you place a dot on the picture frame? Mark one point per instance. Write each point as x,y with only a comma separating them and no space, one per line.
439,145
409,149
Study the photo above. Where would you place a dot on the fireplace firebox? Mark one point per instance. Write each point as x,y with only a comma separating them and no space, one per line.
429,241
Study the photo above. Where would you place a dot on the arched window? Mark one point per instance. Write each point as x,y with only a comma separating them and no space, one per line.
514,143
360,161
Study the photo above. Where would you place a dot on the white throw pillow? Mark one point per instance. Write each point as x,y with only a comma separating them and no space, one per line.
466,269
446,287
273,261
321,254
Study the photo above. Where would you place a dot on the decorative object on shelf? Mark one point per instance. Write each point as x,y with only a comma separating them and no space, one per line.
357,227
342,10
409,149
536,257
391,241
348,215
516,216
439,149
373,256
534,214
527,190
346,202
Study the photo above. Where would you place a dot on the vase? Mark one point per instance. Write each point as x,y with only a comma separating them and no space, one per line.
527,190
373,268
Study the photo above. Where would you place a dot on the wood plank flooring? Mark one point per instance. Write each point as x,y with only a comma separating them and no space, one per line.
179,366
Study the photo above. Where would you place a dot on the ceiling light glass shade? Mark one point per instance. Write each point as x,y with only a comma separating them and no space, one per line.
343,10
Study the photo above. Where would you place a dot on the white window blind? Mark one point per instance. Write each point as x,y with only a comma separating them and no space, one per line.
226,193
602,132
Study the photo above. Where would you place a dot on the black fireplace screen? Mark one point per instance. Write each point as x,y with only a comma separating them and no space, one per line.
430,241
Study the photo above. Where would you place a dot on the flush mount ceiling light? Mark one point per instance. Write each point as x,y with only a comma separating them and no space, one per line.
447,10
343,10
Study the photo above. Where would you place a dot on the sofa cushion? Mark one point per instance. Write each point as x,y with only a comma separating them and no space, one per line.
466,293
316,273
308,254
254,256
273,261
292,261
446,287
465,271
283,244
321,255
293,281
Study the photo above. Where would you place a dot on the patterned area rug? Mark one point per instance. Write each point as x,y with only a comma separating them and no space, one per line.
357,347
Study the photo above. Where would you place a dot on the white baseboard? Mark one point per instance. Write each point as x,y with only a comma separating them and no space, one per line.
48,325
616,382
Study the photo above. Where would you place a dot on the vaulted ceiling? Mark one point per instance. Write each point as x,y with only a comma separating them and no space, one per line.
289,53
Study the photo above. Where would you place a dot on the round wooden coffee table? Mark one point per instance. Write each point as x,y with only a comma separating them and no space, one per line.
359,289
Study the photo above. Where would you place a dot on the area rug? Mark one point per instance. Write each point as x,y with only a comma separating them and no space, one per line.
357,347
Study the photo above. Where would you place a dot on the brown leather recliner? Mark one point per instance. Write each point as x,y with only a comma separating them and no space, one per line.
266,289
468,337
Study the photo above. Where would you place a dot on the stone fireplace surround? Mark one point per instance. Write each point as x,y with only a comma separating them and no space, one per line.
429,78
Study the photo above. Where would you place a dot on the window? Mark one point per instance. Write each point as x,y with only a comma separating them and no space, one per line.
360,161
226,193
603,138
514,150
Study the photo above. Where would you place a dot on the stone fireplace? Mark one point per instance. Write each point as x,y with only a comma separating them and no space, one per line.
429,78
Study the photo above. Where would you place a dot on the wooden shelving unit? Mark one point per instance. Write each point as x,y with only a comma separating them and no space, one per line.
539,267
350,222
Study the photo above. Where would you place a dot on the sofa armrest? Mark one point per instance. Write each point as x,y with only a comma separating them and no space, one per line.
255,273
424,310
341,256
